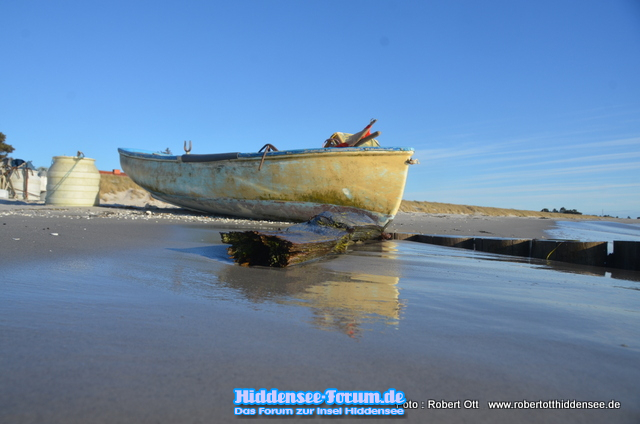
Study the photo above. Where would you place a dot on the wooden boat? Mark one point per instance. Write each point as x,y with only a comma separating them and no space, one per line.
292,185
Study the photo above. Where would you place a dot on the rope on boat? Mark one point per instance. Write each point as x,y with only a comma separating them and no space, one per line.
267,148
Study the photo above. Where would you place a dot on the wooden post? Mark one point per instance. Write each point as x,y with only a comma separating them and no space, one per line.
449,241
626,254
503,246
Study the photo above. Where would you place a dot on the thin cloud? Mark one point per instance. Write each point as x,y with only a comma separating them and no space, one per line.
547,173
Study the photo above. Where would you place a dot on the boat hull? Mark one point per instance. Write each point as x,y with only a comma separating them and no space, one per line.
284,185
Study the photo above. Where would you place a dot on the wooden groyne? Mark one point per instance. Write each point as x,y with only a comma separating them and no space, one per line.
626,254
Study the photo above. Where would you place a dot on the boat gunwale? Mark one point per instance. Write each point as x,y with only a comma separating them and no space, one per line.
163,157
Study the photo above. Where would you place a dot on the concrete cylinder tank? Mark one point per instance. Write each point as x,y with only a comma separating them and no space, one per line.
73,181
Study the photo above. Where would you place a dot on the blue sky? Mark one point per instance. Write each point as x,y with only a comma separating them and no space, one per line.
516,104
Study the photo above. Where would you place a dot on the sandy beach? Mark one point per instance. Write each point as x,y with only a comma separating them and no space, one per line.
113,314
471,225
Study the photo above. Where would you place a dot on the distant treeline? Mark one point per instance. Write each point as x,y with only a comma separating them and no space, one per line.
562,210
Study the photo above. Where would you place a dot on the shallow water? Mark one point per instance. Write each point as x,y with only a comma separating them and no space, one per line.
165,334
595,231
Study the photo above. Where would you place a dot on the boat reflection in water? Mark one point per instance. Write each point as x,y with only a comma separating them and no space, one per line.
347,293
344,305
339,301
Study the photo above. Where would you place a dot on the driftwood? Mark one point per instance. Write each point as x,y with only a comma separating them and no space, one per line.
327,233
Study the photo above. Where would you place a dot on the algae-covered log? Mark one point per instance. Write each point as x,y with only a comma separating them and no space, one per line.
329,232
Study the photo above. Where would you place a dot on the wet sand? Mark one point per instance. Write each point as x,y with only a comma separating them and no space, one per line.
114,315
